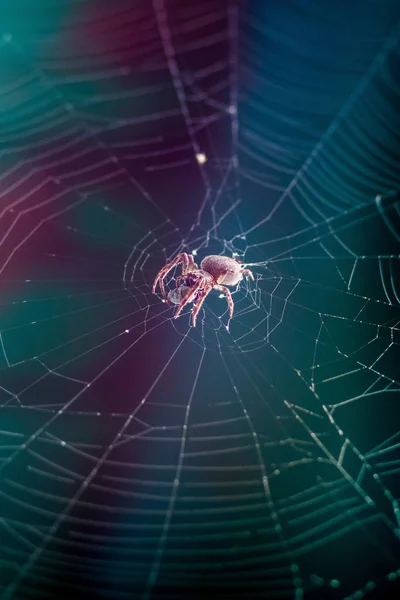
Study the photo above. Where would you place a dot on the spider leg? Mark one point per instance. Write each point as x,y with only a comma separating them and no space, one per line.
229,298
204,293
189,296
180,258
163,292
249,273
190,265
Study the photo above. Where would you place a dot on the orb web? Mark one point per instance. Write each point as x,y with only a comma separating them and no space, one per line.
142,457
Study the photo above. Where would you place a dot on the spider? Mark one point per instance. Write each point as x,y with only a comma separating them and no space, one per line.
214,271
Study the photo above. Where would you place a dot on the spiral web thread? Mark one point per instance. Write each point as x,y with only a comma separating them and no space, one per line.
140,455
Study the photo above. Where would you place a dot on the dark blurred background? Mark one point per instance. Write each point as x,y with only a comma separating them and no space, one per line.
142,457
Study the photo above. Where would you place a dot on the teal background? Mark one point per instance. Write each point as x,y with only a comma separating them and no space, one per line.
141,457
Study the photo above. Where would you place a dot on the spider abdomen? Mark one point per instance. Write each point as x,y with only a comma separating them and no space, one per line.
224,270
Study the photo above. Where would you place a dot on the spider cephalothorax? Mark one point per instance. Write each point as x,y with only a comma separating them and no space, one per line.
214,271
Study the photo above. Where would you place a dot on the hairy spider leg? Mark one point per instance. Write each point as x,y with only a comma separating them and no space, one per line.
190,296
191,264
249,273
189,281
229,298
203,295
179,258
185,270
183,258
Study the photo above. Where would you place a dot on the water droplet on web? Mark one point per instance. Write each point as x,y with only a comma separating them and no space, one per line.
201,158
